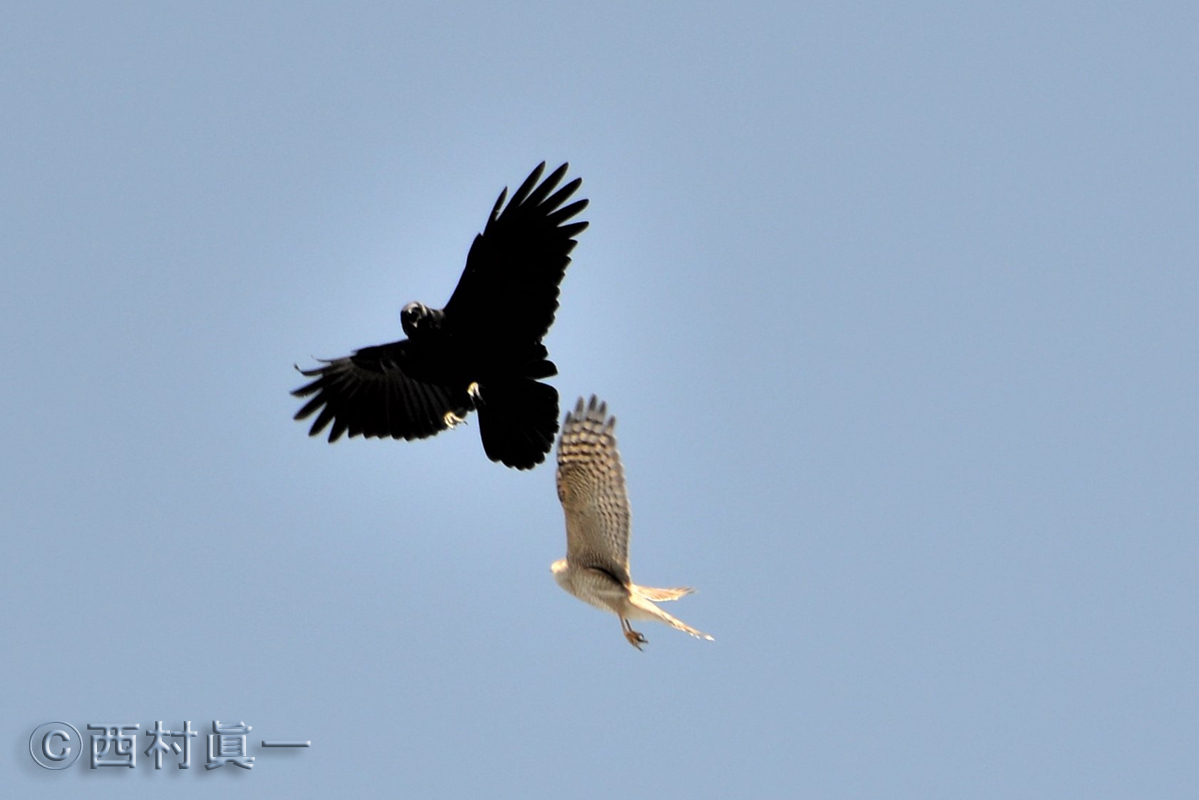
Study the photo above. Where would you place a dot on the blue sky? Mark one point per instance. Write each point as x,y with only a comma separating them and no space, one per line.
895,307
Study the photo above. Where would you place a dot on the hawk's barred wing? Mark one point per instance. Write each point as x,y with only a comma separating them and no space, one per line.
591,487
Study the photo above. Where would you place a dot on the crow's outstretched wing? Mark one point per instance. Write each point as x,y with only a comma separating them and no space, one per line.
508,293
369,394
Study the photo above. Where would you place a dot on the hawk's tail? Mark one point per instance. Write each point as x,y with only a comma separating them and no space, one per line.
641,600
683,626
662,595
518,419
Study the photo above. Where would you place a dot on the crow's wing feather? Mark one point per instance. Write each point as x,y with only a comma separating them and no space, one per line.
369,394
508,292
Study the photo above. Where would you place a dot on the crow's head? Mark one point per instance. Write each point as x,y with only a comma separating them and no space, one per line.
411,317
420,320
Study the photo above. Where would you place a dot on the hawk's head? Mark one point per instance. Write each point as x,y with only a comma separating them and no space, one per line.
559,569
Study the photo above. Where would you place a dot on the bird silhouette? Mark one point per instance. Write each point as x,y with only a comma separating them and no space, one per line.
482,352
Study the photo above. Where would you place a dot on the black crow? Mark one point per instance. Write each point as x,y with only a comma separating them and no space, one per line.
483,351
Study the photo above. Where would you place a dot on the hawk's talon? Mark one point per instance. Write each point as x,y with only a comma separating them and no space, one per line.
472,391
635,638
452,420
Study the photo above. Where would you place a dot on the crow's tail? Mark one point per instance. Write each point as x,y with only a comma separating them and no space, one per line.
518,419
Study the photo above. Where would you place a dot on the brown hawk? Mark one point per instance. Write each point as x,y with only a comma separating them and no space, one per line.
591,488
